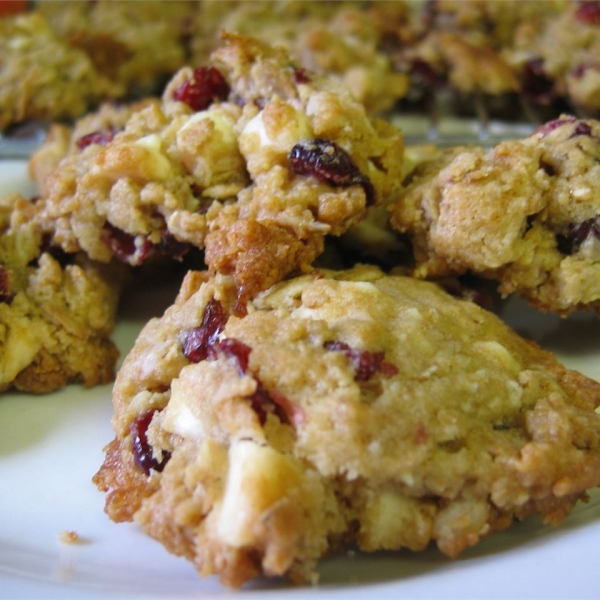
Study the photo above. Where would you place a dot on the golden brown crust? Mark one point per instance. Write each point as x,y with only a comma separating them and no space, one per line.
259,255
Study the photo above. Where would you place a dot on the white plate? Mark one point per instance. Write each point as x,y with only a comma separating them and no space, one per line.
50,446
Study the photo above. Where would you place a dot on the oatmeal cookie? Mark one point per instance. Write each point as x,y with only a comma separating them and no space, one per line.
61,140
41,76
448,60
56,316
340,39
558,59
344,407
523,213
251,159
135,44
462,51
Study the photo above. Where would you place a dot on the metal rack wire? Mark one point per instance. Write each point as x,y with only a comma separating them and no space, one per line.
21,141
437,125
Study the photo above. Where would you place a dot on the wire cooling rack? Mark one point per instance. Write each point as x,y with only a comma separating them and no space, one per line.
435,125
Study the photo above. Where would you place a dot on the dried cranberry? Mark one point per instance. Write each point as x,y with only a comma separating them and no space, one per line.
550,126
261,401
100,137
581,128
425,75
301,76
199,343
5,296
286,410
142,450
262,404
535,83
577,234
203,343
327,162
578,71
471,291
365,363
205,87
588,12
238,350
123,244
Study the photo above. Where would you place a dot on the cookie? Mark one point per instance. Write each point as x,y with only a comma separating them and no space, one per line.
251,159
445,60
455,50
56,313
344,40
344,407
523,213
41,76
136,45
557,59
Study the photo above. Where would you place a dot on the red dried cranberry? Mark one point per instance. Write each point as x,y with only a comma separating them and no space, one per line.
421,434
588,12
578,71
550,126
577,234
123,244
470,292
235,349
365,363
286,410
301,76
262,404
205,87
100,137
203,343
535,83
581,128
425,75
261,401
327,162
142,450
199,343
5,296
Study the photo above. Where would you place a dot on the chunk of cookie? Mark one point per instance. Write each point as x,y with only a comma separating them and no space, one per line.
56,316
346,406
97,127
250,159
524,213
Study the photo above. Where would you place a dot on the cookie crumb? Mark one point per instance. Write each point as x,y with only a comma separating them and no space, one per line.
68,537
